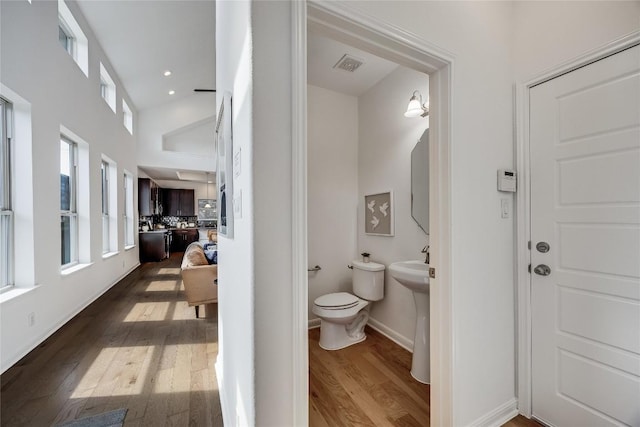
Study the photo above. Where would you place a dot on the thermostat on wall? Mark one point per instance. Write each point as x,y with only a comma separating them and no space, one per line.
506,180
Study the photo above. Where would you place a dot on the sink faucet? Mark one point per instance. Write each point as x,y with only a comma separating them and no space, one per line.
425,250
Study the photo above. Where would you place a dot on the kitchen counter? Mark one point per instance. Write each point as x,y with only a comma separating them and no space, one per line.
155,231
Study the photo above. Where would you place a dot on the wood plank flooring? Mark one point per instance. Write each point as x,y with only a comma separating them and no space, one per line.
369,384
366,384
139,347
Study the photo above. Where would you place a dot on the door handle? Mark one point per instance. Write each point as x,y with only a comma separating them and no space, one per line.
542,270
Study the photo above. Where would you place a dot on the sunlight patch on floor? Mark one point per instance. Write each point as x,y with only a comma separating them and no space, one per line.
147,311
162,285
169,270
181,311
117,371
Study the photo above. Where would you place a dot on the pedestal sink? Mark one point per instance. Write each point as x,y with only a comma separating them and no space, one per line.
415,276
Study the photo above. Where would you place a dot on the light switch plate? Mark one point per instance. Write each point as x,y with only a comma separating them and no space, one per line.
237,205
504,208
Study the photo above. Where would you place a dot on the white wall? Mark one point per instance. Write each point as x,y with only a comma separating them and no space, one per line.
570,29
478,35
253,57
236,365
37,69
181,121
386,139
332,185
255,268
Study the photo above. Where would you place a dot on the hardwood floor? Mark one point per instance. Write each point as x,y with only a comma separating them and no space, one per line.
366,384
139,347
369,384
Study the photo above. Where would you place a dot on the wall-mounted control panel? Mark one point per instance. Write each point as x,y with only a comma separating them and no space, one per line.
506,180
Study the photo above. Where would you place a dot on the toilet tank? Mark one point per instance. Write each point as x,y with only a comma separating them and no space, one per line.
368,280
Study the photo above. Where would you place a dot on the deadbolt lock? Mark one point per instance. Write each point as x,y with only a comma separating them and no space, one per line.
542,247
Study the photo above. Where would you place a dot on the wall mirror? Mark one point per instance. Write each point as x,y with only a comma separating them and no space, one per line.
420,182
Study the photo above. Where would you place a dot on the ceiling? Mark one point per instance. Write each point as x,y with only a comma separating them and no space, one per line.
144,38
323,53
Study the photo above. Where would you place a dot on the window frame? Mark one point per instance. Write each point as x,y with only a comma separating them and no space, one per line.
7,278
72,212
129,230
63,28
104,170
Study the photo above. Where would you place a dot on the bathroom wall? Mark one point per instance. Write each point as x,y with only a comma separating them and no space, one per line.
386,139
332,197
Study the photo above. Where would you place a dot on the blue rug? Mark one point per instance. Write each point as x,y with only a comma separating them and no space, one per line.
106,419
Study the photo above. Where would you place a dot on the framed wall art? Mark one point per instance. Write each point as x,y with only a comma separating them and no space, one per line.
224,170
378,214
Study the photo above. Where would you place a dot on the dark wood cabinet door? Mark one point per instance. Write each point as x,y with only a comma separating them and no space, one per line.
145,206
152,247
187,203
179,202
171,202
182,238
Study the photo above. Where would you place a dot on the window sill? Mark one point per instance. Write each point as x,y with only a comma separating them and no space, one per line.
128,248
15,292
109,255
75,268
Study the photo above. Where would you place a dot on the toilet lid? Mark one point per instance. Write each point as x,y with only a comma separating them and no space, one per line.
338,300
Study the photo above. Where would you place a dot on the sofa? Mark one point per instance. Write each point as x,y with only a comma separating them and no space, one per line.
200,279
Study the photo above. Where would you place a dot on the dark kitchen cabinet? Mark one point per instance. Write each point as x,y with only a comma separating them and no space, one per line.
149,197
179,202
154,246
181,238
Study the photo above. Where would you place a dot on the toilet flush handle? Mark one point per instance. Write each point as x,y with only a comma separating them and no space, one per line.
350,267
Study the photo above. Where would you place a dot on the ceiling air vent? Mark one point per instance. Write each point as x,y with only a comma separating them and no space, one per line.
348,63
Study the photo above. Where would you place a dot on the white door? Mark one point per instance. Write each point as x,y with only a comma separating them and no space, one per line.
585,203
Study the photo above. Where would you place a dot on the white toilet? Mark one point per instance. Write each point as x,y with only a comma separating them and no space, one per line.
343,316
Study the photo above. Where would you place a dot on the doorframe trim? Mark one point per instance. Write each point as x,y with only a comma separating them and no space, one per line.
523,206
354,27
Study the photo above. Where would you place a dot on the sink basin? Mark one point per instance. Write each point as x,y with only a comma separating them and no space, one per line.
412,274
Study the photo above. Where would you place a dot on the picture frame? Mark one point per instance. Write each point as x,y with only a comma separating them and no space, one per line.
224,169
378,214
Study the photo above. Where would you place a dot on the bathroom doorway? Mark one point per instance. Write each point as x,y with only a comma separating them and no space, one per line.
339,24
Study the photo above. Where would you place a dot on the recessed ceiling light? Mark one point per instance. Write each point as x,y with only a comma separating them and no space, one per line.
167,73
171,92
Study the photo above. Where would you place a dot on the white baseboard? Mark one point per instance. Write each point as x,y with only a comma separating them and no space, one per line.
498,416
401,340
314,323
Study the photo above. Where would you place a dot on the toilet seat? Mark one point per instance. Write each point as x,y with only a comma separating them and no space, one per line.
337,301
339,305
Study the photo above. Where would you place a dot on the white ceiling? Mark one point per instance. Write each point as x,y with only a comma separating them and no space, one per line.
144,38
323,53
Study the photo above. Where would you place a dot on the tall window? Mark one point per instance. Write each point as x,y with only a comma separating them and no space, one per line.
6,213
105,207
128,209
68,202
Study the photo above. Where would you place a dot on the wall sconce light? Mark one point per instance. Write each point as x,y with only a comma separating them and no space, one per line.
416,107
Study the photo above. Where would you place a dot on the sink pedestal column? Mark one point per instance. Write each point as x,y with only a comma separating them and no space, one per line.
420,364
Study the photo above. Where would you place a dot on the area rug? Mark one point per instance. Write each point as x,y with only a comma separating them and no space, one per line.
106,419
